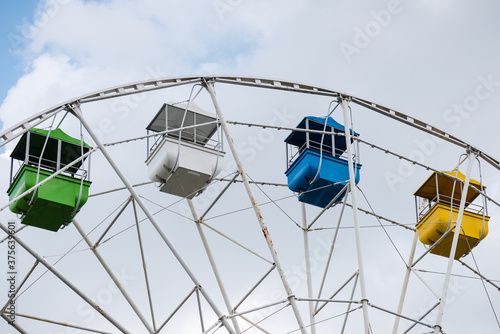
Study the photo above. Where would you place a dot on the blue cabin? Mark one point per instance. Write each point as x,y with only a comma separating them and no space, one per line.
305,150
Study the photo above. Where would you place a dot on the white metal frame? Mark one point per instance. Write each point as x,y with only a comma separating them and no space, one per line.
229,320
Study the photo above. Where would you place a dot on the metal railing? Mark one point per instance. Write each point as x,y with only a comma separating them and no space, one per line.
47,165
442,199
186,137
294,151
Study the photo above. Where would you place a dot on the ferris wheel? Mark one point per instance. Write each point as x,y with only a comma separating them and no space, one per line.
194,205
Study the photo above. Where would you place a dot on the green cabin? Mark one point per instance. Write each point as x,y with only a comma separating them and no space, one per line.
40,153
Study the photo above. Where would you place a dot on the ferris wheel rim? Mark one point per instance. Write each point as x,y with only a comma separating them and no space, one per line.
134,88
291,86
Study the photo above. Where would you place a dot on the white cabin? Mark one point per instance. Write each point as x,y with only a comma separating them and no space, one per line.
186,160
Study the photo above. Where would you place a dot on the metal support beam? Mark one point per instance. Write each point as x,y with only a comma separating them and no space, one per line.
422,317
63,324
325,300
349,305
291,297
113,277
434,245
113,222
14,295
144,267
16,231
399,315
217,324
254,324
354,276
354,202
425,283
458,226
236,242
177,308
480,275
341,192
64,280
305,232
213,264
405,282
218,196
163,83
254,287
332,247
14,324
259,308
200,311
149,215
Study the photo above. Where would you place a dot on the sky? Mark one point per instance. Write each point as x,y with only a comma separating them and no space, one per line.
436,61
12,43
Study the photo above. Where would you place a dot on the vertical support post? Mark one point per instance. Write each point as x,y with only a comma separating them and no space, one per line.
307,133
194,129
358,153
59,152
144,267
151,218
166,121
12,171
417,208
350,304
405,282
286,161
458,226
27,153
88,166
147,144
333,142
437,187
308,267
214,265
291,297
352,182
200,311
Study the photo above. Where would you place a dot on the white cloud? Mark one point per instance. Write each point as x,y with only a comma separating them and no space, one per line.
50,80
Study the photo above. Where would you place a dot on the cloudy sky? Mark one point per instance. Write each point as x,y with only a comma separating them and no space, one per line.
434,60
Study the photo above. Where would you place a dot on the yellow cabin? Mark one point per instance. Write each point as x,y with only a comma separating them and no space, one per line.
438,201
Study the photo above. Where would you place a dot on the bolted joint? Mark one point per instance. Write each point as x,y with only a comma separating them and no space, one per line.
473,150
343,98
208,81
439,328
73,108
